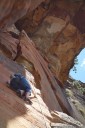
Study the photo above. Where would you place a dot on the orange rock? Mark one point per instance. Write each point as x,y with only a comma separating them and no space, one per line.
51,91
9,9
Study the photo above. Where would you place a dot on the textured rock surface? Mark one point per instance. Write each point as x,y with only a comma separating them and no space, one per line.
8,44
33,19
57,40
74,91
14,112
60,8
47,80
72,123
9,9
56,28
53,36
30,57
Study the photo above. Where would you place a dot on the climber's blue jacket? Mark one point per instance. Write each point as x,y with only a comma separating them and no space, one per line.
20,82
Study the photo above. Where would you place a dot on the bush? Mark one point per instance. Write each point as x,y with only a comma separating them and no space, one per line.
77,85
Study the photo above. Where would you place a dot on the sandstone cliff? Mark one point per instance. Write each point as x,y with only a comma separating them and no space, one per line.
53,39
57,29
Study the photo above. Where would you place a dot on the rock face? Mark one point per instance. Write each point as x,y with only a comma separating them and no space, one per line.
25,52
14,112
75,92
55,28
9,9
57,39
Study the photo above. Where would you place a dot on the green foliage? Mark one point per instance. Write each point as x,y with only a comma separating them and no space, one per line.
75,63
77,85
69,93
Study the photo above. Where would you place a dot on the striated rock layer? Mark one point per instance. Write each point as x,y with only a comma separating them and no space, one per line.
59,42
25,52
54,26
58,37
9,9
14,112
57,29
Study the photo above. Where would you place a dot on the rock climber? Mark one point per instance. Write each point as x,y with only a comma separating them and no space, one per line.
21,85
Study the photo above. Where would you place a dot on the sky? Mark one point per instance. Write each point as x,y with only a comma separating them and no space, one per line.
80,74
